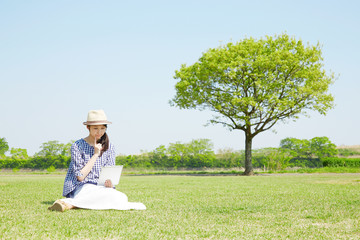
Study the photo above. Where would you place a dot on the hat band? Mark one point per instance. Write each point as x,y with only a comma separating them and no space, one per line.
100,121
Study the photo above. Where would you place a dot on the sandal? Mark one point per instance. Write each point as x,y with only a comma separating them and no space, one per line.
58,206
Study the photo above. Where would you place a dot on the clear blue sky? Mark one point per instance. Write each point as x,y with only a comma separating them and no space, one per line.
60,59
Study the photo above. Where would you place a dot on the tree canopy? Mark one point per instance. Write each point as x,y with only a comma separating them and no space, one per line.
253,84
4,146
303,148
19,153
54,148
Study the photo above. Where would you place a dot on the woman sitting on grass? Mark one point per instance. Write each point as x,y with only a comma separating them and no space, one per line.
88,156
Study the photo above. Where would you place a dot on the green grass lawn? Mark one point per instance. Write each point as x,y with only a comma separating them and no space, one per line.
290,206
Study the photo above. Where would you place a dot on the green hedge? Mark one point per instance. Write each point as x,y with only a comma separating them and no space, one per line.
306,162
143,161
201,161
36,162
341,162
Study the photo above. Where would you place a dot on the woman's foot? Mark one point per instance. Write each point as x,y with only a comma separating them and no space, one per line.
59,206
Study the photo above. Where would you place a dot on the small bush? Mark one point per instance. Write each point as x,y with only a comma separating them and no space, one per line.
51,169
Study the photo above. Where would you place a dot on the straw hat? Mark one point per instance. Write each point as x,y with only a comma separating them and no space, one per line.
96,117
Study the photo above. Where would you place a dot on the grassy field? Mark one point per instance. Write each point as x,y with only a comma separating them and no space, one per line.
288,206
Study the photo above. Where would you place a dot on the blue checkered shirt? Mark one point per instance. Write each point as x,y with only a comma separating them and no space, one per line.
81,152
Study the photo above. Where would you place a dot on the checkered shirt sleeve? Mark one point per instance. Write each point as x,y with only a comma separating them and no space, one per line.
81,153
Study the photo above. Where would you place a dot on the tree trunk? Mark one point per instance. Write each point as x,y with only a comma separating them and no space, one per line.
248,161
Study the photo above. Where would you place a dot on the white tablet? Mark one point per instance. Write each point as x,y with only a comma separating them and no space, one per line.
110,172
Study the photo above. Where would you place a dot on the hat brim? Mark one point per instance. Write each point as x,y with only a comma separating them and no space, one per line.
97,123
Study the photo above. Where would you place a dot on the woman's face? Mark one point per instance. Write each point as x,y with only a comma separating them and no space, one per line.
97,131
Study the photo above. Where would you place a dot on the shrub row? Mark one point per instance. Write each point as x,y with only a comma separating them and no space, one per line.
143,161
341,162
306,162
232,160
36,162
148,161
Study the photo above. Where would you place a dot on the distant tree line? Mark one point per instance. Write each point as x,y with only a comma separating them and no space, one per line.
199,154
52,155
292,152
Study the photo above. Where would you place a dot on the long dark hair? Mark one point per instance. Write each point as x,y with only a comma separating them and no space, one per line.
104,140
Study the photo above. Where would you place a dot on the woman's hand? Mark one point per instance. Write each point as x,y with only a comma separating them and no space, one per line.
97,148
108,183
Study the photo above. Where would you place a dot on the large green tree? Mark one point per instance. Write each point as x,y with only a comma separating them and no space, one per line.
253,84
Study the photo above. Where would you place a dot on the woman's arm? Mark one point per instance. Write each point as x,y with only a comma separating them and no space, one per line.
89,165
87,168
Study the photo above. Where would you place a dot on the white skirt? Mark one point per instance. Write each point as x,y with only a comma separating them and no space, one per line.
91,196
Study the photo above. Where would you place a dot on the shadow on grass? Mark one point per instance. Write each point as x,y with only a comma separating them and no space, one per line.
48,202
